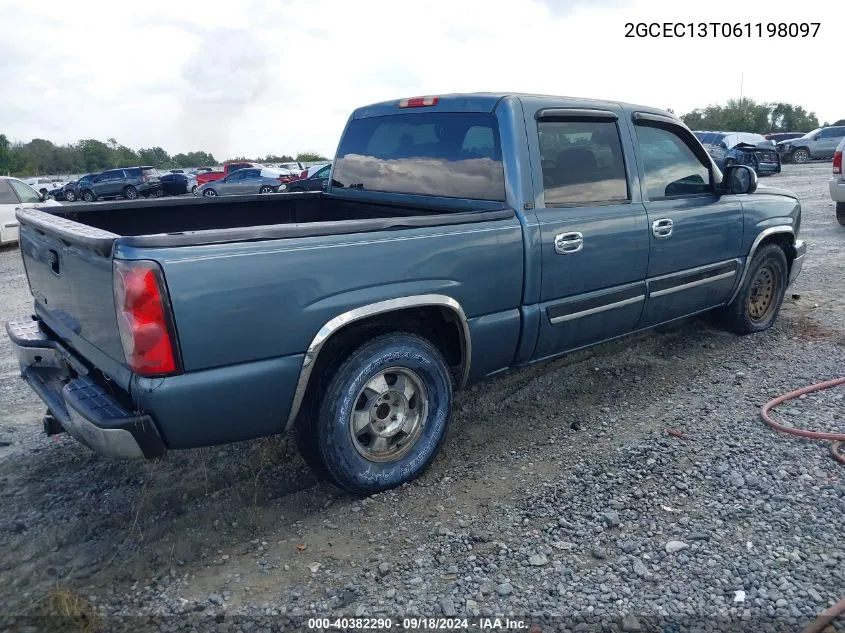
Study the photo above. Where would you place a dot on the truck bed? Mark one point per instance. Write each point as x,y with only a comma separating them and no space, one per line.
193,220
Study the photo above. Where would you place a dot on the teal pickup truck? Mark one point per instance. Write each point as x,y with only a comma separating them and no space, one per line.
459,236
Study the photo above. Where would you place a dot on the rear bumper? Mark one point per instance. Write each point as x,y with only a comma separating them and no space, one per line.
800,249
84,409
837,189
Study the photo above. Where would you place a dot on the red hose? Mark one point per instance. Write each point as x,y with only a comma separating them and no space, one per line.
828,615
836,438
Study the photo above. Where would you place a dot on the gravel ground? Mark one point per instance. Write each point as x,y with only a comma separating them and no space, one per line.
559,500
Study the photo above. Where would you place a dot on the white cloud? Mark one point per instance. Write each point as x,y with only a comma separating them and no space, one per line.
269,76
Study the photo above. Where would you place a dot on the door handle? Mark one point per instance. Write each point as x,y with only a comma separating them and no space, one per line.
568,243
662,228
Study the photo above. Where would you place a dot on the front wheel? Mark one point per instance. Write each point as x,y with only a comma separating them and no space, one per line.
194,190
384,414
840,213
209,193
265,189
89,196
130,193
800,156
760,297
70,196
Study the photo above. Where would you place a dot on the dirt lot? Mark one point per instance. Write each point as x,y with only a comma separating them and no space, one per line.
556,499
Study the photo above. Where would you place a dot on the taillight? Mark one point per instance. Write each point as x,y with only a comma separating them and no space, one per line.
837,162
419,102
144,319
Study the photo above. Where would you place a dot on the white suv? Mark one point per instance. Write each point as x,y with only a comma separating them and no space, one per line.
837,183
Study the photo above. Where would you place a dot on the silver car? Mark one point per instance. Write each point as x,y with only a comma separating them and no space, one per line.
244,182
837,183
820,143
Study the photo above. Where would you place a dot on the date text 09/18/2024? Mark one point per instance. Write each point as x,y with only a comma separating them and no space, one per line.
721,29
421,624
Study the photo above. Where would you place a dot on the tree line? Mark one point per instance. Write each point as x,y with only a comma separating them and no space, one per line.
747,115
42,157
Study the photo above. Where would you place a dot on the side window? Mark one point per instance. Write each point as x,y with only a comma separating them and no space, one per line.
582,163
7,196
834,132
323,174
235,176
24,191
671,168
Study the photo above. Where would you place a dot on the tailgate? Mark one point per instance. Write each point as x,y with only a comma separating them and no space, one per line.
69,269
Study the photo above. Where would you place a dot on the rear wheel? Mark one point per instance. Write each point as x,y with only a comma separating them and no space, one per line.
194,190
130,193
840,212
209,193
265,189
759,299
383,416
88,196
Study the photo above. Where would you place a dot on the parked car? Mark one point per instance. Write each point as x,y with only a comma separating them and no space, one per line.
71,191
293,167
525,228
175,184
244,181
743,148
318,181
228,168
837,183
308,172
127,182
43,185
779,137
820,143
16,194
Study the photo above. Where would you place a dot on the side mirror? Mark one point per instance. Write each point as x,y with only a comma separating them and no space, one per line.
740,179
42,196
816,137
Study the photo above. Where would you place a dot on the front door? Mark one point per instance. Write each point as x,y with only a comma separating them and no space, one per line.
829,139
695,233
593,228
109,183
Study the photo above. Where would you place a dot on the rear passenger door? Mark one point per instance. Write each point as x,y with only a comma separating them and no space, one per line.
593,228
695,233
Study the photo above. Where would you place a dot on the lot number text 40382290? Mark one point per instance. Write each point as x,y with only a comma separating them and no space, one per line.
722,29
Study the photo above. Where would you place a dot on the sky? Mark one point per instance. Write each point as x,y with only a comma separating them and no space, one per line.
258,77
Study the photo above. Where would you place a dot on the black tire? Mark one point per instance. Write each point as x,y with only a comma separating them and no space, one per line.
70,196
768,273
89,196
266,189
130,193
334,451
800,156
209,193
194,190
840,213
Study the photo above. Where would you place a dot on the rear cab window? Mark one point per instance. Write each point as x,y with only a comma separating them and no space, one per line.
442,154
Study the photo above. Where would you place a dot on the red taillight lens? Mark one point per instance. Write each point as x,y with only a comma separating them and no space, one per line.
837,163
144,318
